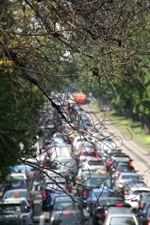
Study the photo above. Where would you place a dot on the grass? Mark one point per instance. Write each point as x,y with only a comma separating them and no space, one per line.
132,130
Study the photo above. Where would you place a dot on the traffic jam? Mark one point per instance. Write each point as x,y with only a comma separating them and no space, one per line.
78,177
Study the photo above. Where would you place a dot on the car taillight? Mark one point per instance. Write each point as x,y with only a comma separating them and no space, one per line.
126,192
68,185
134,200
148,222
30,202
141,206
44,195
66,213
116,174
104,170
105,213
99,212
110,161
107,161
93,202
84,192
119,204
130,163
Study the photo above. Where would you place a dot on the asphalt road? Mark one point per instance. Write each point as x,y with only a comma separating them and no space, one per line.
140,156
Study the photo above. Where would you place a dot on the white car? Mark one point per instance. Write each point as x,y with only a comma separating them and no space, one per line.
94,163
17,206
133,196
17,176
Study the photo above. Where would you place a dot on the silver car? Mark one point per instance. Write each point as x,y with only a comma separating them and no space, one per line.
121,219
124,177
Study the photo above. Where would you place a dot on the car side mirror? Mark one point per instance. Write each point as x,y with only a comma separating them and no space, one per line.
27,208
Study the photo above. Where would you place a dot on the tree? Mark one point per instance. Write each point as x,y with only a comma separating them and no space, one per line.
106,35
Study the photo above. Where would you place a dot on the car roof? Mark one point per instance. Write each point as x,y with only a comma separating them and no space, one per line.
140,188
18,190
116,197
71,211
102,189
17,174
130,173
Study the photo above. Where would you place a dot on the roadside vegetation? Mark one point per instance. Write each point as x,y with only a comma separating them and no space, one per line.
131,129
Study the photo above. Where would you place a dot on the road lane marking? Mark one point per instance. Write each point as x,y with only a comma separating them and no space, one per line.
42,219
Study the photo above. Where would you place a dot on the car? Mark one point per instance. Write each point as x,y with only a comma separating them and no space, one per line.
134,195
17,206
132,183
60,178
109,160
72,168
101,211
122,167
63,160
90,181
124,177
16,176
66,203
121,218
94,163
85,153
145,219
70,217
144,198
12,185
142,212
107,147
49,192
95,195
120,158
20,193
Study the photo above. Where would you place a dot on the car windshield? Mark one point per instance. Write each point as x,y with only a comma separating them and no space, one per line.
107,201
66,217
15,194
101,193
64,205
95,163
122,159
135,183
129,177
124,168
122,220
140,192
98,181
114,209
145,196
10,209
